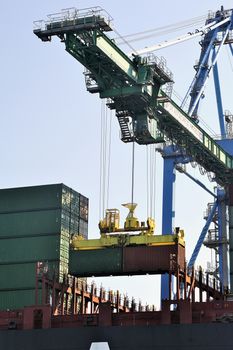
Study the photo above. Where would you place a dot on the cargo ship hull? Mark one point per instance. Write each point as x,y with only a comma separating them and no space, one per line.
163,337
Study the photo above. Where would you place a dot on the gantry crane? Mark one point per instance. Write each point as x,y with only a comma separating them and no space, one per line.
133,88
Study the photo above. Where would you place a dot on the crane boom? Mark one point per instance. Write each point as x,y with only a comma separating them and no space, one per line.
134,89
198,32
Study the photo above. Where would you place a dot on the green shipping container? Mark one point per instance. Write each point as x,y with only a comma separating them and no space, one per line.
23,276
42,197
17,299
30,223
36,224
87,263
30,198
18,250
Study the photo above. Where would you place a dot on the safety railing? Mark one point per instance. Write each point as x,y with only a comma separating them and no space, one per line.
208,281
114,297
161,63
69,15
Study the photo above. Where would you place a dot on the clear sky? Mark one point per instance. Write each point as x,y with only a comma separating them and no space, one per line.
50,125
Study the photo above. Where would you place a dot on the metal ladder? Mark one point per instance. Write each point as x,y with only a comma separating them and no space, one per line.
126,133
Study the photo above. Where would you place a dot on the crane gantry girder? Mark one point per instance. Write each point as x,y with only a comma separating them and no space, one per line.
133,88
183,131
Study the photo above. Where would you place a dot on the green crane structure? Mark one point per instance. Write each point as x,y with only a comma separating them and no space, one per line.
133,88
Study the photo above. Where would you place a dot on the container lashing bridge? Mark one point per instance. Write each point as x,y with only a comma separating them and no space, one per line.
134,88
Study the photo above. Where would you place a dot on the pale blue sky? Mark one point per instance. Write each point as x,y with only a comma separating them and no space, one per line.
50,125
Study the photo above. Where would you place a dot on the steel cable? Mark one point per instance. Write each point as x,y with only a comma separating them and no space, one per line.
159,31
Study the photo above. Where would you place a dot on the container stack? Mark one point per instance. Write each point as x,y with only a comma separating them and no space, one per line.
36,224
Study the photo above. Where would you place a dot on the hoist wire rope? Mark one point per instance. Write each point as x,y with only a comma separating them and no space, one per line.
147,180
104,160
132,172
124,41
159,31
176,24
151,182
154,182
148,36
101,160
105,157
109,156
105,137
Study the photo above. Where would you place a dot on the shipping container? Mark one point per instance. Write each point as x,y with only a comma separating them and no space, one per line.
149,259
23,276
70,200
98,262
83,208
136,260
83,228
31,223
36,224
43,197
29,249
30,198
181,257
17,299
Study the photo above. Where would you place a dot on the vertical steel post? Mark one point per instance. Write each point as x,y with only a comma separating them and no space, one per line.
36,286
200,278
223,242
167,211
202,237
218,96
231,48
169,177
202,74
230,193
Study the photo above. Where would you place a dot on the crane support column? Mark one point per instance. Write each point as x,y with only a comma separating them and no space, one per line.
169,176
231,48
202,236
171,156
230,190
218,97
223,242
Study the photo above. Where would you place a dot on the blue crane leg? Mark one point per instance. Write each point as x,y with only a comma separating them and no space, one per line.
223,242
218,97
202,236
168,211
202,73
231,48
